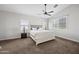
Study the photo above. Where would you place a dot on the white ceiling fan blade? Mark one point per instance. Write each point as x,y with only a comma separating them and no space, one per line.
48,14
55,5
51,12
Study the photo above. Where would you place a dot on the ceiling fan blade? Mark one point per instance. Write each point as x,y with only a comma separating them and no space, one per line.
55,5
51,12
48,14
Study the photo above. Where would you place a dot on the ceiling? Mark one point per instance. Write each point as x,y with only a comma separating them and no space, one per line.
32,9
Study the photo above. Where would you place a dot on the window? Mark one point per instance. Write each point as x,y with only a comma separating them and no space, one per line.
60,22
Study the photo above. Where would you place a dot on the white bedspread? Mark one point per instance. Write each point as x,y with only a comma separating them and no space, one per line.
40,36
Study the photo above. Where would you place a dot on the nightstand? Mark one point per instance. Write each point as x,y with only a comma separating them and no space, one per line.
23,35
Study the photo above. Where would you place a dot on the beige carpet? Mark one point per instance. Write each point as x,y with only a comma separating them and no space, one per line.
27,46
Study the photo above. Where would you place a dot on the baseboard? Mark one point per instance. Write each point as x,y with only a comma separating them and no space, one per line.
66,39
9,39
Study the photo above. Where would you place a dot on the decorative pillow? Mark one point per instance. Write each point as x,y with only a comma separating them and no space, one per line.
40,29
34,28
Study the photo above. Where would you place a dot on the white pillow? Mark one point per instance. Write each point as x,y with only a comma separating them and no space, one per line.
34,28
40,29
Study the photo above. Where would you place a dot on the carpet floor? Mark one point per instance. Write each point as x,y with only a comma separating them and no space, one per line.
27,46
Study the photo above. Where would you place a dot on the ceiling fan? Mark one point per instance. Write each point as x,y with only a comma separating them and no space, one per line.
45,10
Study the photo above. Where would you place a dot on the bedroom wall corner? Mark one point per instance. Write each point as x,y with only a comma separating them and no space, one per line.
72,28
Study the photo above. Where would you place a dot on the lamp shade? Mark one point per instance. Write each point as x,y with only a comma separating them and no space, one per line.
24,22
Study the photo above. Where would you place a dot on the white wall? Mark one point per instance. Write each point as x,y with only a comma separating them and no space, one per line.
72,27
10,24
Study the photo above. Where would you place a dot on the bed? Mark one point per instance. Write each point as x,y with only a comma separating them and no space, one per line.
40,36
